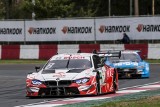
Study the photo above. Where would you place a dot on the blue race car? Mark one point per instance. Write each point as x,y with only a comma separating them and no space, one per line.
129,64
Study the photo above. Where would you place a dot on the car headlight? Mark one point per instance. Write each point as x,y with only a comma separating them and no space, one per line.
82,81
140,67
36,82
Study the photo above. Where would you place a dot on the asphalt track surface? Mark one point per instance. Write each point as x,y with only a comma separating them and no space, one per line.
12,83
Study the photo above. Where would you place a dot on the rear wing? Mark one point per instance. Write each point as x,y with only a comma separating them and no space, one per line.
137,51
106,53
109,53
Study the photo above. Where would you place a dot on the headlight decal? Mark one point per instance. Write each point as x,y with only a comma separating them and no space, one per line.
82,80
36,82
140,67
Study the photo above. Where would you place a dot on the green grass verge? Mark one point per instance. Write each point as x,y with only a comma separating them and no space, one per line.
153,101
153,60
140,99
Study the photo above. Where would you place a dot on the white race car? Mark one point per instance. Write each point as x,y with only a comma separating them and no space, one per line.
72,74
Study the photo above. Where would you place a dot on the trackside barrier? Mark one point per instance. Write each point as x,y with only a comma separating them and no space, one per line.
29,52
10,51
142,47
46,51
89,47
104,47
67,48
152,51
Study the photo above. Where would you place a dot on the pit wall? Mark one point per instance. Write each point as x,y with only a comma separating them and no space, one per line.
150,51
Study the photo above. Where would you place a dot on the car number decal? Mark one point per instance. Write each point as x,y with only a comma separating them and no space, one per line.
49,66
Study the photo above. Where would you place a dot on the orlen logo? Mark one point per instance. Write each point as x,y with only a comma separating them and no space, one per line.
140,27
102,28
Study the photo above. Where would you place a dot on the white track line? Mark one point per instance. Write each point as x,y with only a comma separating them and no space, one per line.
140,85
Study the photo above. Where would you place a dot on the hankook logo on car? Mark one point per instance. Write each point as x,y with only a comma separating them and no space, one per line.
114,29
48,30
13,31
148,28
75,30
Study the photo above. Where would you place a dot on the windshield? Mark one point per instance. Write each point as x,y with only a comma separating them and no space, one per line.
130,56
126,56
69,63
112,59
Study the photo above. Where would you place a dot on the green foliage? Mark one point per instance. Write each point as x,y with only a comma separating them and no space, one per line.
72,8
2,10
53,8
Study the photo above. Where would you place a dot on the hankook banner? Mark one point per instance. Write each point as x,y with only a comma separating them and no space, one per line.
137,28
12,31
60,30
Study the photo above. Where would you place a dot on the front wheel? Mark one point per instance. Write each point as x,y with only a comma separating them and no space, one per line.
114,82
97,84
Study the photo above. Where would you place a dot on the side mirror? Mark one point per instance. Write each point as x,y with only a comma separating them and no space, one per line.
37,68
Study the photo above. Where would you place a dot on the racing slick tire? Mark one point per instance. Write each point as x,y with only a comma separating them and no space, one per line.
114,82
97,84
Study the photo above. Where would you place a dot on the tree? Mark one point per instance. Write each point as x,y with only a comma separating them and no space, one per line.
2,10
10,9
49,8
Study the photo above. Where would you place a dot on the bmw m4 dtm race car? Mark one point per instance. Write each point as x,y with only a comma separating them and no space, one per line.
129,64
72,74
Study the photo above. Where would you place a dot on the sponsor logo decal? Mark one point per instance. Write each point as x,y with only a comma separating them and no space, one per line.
13,31
139,28
102,28
76,30
75,57
48,30
126,63
148,28
114,29
59,75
